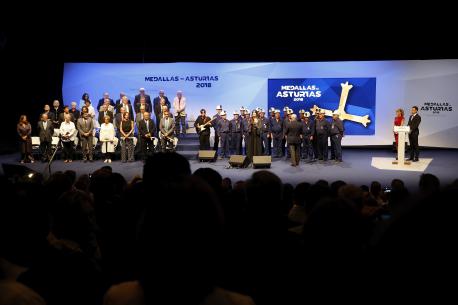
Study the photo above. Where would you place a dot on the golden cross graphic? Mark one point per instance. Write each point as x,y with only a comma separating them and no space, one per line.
343,101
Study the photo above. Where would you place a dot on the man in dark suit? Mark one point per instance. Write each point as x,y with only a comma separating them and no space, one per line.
146,132
142,102
146,96
45,132
157,102
103,113
75,112
293,132
102,100
414,123
119,101
62,115
56,110
127,107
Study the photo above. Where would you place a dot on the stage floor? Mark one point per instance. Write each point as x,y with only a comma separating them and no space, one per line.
359,167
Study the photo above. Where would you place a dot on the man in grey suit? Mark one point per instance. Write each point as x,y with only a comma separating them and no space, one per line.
167,129
293,132
45,132
85,126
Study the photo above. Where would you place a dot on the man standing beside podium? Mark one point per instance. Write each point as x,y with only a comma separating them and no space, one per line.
414,123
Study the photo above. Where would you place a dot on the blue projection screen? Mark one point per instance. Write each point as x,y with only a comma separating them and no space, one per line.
369,91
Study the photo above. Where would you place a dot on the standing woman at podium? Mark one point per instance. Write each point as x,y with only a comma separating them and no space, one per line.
398,121
254,147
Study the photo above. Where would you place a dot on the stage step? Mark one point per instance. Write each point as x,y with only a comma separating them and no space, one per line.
188,146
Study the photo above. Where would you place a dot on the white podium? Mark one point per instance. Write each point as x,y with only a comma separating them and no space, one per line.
402,131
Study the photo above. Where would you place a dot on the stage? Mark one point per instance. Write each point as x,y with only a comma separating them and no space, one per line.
359,167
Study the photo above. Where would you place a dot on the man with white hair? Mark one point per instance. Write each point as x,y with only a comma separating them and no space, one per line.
146,96
118,101
336,134
156,102
293,134
179,103
75,112
106,96
322,132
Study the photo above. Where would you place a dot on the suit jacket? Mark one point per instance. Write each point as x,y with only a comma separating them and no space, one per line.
137,108
147,100
82,128
102,115
76,114
157,106
293,131
45,134
101,101
414,123
171,126
142,130
131,111
118,101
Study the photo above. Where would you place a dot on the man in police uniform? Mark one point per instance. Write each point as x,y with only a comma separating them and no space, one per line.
223,132
322,127
216,119
265,132
336,134
276,133
236,134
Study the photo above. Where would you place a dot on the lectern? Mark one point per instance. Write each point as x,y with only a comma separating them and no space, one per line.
402,131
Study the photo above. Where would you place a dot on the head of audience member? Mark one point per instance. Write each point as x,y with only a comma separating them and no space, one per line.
189,237
264,193
46,108
210,176
74,220
15,293
226,184
56,104
162,168
429,184
414,110
300,193
335,186
376,189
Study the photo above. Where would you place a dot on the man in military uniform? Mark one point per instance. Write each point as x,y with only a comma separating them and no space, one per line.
322,127
216,119
336,134
276,131
236,134
265,132
223,133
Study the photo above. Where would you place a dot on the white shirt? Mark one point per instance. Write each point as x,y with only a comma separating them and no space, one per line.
68,128
107,132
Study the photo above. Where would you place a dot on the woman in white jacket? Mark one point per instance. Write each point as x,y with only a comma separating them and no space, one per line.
67,135
107,138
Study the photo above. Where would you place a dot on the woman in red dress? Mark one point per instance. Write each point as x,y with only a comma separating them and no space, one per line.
398,121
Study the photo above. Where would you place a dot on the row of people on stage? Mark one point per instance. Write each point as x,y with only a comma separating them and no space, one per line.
115,110
83,129
255,134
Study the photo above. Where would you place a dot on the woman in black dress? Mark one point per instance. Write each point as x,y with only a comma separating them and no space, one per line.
254,147
24,130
